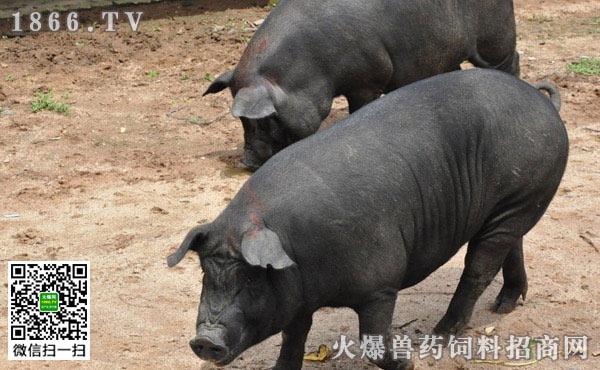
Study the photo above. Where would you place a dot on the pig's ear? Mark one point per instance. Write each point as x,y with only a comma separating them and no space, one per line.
222,82
263,248
193,241
253,103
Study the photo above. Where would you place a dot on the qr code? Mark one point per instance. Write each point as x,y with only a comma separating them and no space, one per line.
48,310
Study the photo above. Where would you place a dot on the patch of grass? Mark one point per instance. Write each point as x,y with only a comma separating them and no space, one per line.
44,100
540,18
243,39
585,66
208,77
9,78
184,77
594,22
195,120
152,73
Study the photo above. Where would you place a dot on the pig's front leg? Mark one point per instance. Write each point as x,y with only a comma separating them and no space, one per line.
292,345
358,99
375,319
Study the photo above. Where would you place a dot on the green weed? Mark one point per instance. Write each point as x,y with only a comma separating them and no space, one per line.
585,66
45,101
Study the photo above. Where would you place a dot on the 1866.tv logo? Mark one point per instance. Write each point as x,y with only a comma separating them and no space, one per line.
55,22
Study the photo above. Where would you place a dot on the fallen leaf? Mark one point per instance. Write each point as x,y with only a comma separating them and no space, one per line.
320,355
489,330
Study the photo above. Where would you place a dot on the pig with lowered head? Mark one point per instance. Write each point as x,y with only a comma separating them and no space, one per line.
308,52
375,204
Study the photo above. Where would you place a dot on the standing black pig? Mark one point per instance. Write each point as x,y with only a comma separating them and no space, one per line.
375,204
308,52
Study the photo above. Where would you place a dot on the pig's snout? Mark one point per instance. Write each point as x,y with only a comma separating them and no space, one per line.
210,345
253,161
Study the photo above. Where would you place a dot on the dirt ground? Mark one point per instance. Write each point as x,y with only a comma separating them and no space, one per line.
142,157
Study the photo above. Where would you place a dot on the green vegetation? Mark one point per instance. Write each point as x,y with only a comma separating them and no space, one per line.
194,120
594,22
45,101
185,77
9,78
273,3
585,66
208,77
152,73
540,18
243,39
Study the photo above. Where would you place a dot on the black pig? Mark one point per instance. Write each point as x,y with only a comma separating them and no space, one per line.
375,204
308,52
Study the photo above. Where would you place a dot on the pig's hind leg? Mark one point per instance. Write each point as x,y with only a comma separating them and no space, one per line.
510,64
485,256
375,320
515,281
496,39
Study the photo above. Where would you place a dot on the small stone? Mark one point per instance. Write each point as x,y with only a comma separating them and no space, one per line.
158,210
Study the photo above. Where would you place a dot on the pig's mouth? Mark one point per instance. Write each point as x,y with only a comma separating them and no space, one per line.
233,353
252,165
226,361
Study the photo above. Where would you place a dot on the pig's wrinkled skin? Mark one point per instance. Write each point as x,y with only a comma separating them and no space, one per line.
375,204
308,52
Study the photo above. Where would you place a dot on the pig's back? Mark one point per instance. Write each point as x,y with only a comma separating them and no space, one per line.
424,167
345,39
485,120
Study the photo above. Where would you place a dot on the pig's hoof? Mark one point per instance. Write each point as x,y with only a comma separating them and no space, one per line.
507,300
287,365
446,329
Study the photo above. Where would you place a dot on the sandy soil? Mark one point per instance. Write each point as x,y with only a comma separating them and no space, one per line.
139,160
